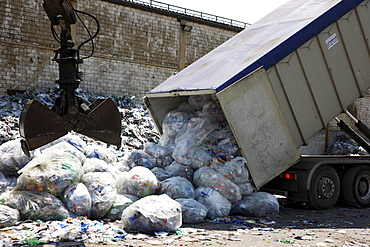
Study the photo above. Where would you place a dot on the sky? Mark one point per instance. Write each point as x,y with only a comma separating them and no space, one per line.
248,11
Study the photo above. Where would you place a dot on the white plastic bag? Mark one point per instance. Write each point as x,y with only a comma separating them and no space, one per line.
12,158
98,165
52,171
155,213
139,181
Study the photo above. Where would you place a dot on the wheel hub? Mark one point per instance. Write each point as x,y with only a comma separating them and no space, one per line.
363,187
326,187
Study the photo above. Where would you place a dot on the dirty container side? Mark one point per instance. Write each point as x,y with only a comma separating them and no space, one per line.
321,78
252,110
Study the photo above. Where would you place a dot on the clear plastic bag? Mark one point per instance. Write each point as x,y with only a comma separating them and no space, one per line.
174,121
155,213
187,153
52,171
139,181
216,204
68,148
177,169
246,188
98,165
207,177
100,152
35,205
12,158
102,189
197,129
7,182
177,187
224,132
228,146
72,139
120,203
8,216
192,210
77,199
161,153
160,173
141,158
122,165
257,204
236,169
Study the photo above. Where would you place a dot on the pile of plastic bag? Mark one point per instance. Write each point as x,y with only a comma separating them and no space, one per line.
199,164
137,126
193,172
345,145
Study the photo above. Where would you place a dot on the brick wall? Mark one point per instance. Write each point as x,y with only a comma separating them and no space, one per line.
135,50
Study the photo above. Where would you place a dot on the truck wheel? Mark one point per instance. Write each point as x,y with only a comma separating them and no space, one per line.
356,186
324,188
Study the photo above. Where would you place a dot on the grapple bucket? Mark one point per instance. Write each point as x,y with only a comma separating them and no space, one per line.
40,125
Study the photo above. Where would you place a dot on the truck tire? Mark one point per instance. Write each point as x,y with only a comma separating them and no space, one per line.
324,188
356,186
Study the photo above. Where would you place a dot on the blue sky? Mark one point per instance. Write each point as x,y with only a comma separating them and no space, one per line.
248,11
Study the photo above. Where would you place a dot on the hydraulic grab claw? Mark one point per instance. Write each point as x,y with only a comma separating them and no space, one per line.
40,125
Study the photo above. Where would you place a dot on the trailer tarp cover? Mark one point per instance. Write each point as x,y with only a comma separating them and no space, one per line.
263,44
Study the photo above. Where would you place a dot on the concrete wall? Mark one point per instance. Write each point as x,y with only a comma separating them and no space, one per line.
135,50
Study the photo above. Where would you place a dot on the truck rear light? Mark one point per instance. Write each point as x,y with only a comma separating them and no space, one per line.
288,176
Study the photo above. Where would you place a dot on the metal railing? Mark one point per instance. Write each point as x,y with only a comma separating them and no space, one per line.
190,12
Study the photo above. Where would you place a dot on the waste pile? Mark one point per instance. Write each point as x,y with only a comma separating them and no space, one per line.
345,145
193,172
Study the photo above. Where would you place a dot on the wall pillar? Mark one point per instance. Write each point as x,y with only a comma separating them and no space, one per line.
184,30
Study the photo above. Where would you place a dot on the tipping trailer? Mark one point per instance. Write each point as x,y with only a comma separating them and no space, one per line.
279,82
